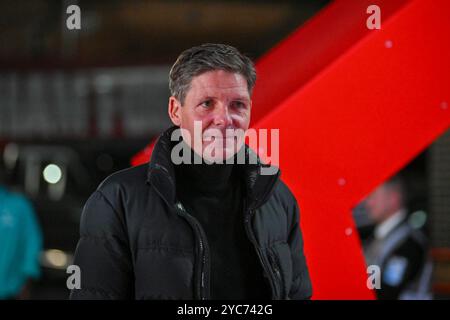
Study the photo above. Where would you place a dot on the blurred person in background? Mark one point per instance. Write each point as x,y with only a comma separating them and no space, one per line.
400,250
20,244
203,230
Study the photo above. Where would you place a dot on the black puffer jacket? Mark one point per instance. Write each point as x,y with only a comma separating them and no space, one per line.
138,242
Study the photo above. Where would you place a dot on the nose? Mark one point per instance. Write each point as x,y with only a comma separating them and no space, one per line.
222,117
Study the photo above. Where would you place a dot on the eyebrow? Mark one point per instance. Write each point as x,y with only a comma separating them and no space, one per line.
240,98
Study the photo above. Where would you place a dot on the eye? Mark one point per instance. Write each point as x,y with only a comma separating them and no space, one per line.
239,104
206,104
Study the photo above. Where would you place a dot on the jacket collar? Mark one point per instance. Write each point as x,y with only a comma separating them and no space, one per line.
387,226
161,174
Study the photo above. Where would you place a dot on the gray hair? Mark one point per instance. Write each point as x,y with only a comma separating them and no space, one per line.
207,57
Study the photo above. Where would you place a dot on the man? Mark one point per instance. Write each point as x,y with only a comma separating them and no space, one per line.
202,228
399,250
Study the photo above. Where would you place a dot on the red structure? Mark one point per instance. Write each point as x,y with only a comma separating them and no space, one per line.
353,106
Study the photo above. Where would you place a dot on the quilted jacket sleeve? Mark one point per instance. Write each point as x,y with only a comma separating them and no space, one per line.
301,287
102,253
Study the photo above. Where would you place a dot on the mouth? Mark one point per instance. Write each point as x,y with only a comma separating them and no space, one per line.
227,136
220,139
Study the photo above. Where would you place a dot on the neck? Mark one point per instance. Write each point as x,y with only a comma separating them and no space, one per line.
208,178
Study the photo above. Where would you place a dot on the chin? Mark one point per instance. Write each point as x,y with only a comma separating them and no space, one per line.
221,157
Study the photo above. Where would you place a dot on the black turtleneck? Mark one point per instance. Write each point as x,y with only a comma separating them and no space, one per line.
213,193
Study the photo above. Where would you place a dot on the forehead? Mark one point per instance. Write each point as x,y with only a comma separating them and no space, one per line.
381,190
218,82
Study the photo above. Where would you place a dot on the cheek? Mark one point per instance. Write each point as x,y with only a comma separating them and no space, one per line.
205,117
373,203
189,116
241,120
370,205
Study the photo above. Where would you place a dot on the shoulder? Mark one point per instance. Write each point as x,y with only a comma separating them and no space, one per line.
126,177
412,249
284,200
124,182
18,214
283,194
414,245
106,207
406,261
17,202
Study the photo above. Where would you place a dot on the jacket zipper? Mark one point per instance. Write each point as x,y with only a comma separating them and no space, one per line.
202,285
266,268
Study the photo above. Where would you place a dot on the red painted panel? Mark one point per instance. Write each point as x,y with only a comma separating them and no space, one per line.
310,48
356,123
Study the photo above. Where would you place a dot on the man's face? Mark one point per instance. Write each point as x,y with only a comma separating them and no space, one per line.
219,100
382,203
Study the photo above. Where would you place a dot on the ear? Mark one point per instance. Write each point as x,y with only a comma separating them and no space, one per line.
174,111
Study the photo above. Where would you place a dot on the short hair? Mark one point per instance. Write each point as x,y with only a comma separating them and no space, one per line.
208,57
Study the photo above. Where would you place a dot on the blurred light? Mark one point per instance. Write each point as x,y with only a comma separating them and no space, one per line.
52,173
417,219
55,258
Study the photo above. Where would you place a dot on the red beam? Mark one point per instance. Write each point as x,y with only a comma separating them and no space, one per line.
356,123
